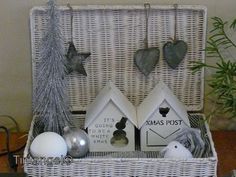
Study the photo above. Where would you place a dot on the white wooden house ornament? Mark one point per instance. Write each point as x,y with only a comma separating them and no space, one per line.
160,116
111,121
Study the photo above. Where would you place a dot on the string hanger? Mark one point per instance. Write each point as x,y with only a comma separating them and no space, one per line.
147,7
71,19
175,30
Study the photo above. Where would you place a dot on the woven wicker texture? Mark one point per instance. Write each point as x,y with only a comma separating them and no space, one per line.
136,163
112,34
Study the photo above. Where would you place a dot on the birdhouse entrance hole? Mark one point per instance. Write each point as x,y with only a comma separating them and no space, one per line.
119,138
164,111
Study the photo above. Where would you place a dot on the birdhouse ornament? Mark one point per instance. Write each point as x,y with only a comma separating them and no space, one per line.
160,117
111,121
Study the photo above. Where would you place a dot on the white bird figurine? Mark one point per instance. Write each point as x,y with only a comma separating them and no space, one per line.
175,150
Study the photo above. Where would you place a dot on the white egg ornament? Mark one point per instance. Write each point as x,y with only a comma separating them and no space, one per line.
48,144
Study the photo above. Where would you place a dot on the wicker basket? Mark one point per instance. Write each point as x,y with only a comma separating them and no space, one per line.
112,34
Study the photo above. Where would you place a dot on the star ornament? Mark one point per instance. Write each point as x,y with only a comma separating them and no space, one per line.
75,60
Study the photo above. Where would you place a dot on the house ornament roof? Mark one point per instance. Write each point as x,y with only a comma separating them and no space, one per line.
160,93
110,93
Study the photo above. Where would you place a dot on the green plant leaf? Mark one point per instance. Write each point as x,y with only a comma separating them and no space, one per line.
223,81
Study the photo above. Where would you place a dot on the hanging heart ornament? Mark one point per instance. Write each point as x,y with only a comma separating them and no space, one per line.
146,59
174,51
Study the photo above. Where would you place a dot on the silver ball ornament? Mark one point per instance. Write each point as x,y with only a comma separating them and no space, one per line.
77,141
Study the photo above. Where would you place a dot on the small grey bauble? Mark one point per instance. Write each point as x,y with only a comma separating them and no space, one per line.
77,141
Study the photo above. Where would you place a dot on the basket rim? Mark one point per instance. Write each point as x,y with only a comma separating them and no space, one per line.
123,7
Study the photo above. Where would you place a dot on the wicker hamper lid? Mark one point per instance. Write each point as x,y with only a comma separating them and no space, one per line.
112,34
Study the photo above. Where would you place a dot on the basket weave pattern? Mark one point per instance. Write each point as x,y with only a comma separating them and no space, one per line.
112,34
138,163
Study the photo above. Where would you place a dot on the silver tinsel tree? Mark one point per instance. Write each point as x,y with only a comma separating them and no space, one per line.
50,98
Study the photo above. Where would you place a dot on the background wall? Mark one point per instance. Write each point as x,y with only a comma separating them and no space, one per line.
15,56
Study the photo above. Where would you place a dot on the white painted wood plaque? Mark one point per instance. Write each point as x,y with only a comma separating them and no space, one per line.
160,117
111,121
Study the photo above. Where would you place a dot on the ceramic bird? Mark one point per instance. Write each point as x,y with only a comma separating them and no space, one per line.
175,150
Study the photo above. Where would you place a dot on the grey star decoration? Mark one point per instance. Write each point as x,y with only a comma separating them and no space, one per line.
75,60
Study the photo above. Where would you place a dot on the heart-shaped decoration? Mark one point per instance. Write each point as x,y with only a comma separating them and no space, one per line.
146,59
174,52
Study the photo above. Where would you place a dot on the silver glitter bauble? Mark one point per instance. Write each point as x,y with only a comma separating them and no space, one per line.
77,141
